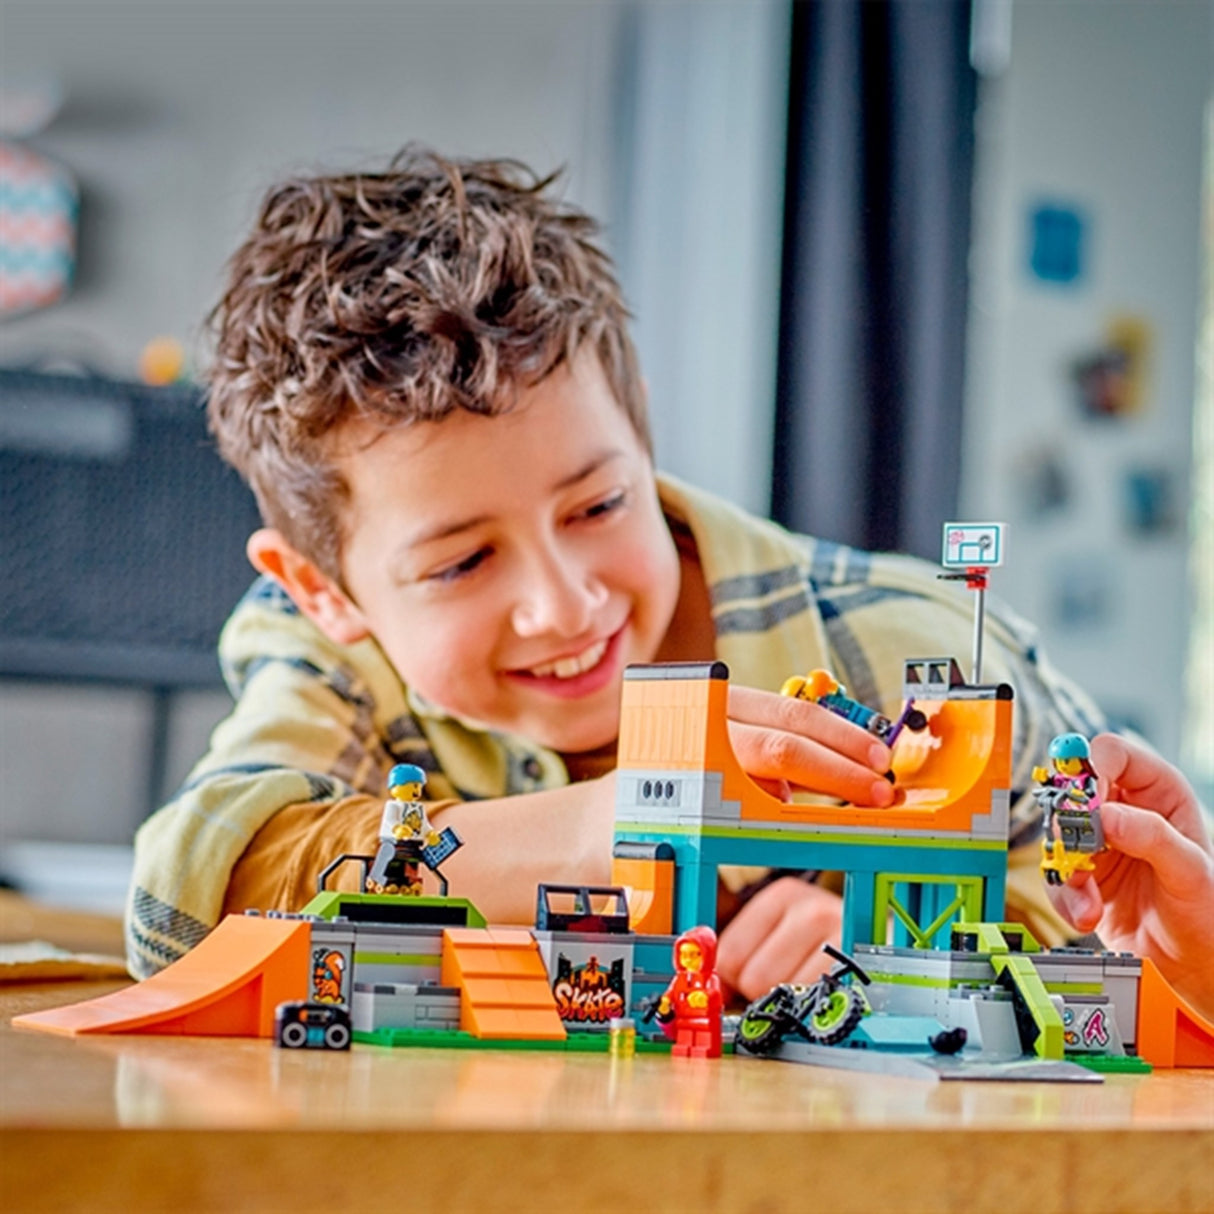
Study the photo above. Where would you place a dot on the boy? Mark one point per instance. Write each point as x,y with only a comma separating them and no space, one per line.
426,377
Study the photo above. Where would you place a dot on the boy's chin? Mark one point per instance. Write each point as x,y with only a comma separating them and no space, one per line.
569,737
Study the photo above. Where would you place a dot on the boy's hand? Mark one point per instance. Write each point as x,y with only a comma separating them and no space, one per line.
778,936
787,743
1152,893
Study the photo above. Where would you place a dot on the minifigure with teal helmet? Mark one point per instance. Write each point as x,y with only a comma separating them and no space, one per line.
1070,746
1068,794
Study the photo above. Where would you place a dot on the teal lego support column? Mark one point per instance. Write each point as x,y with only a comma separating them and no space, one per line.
858,925
994,895
695,890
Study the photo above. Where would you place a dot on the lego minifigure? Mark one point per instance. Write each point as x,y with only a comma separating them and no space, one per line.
1066,791
404,834
821,687
690,1009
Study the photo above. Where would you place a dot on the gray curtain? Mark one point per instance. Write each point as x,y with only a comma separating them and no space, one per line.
874,284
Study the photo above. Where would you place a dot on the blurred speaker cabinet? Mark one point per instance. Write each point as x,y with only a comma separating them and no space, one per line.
122,539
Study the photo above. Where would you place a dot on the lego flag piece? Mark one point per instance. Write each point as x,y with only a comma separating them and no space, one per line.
448,844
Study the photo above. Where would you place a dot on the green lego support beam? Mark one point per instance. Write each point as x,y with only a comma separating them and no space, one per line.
948,898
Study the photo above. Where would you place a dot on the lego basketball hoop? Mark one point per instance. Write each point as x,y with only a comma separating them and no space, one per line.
972,545
972,550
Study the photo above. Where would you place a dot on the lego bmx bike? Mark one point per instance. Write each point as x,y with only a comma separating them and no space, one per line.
825,1012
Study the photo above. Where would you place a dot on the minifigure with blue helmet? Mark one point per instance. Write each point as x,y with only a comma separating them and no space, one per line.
1067,792
404,832
406,781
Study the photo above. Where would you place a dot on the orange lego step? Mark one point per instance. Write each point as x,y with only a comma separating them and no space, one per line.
503,984
1170,1032
227,986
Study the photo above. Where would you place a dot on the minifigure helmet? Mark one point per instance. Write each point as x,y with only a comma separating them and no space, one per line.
1070,746
406,773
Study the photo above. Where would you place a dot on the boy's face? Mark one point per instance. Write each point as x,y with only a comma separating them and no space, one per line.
511,566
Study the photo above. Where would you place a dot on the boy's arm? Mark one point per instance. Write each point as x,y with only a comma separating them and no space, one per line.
511,844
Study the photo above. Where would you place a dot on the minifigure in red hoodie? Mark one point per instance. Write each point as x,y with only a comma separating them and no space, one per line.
690,1010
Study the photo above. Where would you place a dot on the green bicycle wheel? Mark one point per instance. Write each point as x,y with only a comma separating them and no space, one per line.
837,1017
761,1028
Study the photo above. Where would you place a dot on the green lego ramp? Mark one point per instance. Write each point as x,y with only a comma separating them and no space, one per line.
1041,1028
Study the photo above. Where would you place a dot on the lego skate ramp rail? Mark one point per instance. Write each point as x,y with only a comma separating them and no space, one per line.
228,986
945,773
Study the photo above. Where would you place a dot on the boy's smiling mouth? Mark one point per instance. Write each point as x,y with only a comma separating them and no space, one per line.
566,668
579,674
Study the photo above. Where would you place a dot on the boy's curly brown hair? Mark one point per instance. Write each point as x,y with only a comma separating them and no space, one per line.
398,297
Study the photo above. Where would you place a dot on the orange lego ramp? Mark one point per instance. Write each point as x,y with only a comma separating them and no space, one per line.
503,984
950,756
227,986
946,774
1170,1032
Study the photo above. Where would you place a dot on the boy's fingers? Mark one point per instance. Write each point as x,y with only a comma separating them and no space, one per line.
817,964
750,926
807,919
1138,777
780,789
1146,836
774,755
786,714
1079,902
761,917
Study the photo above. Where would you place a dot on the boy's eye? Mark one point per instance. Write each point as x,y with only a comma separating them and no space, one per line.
606,506
452,573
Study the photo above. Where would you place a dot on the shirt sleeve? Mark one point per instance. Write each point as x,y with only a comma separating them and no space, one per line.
307,733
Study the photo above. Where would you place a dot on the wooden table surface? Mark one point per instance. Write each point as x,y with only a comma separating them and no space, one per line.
174,1123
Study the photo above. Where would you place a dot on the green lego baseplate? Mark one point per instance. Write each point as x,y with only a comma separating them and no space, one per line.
1110,1064
457,1039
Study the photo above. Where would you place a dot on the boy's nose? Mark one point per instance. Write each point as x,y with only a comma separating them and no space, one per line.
557,598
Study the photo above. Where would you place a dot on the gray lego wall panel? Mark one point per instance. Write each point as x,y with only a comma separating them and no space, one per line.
404,1006
376,972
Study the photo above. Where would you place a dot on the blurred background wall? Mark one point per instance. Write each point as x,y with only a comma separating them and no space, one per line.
672,122
1086,285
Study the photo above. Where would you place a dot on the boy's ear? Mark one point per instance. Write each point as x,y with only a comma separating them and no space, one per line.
316,594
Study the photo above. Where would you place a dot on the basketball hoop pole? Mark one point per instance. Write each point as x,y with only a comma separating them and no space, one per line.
976,578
